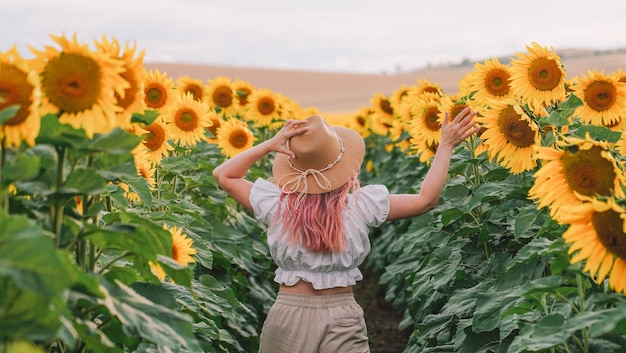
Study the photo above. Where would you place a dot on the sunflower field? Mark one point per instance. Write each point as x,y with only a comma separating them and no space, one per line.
114,237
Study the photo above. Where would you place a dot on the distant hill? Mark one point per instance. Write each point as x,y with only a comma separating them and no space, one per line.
347,92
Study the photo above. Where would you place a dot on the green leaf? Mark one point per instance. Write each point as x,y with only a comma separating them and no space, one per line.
84,181
8,112
52,132
117,141
148,320
24,167
28,255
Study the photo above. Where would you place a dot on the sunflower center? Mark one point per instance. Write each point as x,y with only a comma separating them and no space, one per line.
544,74
186,120
238,139
155,96
515,129
385,106
242,96
72,82
609,227
587,172
431,119
129,93
600,95
497,82
155,137
15,89
195,90
430,89
266,106
223,96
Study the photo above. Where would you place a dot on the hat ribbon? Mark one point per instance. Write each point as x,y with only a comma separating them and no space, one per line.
299,178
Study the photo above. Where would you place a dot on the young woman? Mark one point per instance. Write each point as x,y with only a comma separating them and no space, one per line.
318,220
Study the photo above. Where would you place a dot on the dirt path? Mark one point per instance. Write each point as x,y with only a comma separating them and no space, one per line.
381,318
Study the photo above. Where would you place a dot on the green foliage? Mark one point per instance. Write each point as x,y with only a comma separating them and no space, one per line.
486,271
76,250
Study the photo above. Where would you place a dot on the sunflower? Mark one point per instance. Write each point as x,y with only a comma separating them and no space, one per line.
243,90
234,137
216,121
603,96
421,147
510,135
80,85
182,251
425,86
360,121
578,167
221,95
425,120
144,167
132,100
158,90
186,84
263,107
131,196
187,119
19,85
155,142
596,234
382,114
538,76
489,80
399,97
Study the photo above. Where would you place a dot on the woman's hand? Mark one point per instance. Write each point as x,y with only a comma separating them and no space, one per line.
459,128
280,141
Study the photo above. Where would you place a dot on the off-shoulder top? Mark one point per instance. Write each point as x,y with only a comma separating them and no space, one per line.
368,208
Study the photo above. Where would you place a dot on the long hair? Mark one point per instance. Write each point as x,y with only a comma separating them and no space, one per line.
317,222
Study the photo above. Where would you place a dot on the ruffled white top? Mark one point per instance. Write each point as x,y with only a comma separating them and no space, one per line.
369,208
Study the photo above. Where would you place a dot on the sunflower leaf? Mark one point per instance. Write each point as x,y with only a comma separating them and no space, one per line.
8,113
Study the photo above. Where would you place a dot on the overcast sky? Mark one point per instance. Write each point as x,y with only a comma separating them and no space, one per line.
366,36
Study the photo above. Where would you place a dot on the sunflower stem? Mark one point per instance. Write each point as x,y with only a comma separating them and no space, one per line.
119,257
581,305
4,194
56,208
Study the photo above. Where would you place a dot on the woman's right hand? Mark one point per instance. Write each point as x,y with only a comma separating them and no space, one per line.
280,141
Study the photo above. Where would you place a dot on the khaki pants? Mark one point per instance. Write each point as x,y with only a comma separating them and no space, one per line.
314,324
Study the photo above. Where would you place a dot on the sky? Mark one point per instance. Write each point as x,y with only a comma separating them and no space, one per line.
353,36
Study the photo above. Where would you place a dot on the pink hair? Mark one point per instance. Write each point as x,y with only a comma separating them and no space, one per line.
317,223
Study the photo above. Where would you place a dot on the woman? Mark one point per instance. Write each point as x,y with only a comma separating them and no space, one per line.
318,220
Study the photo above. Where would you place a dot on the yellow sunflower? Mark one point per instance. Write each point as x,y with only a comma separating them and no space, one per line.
382,114
360,121
538,76
158,90
426,86
80,85
399,97
510,135
221,95
234,137
578,167
490,80
596,234
426,151
604,98
186,84
216,121
19,85
132,100
182,251
144,167
425,120
263,107
243,90
155,142
187,119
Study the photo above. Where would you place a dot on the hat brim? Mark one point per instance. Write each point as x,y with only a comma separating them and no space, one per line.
338,175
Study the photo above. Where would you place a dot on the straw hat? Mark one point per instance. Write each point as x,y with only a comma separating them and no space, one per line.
326,158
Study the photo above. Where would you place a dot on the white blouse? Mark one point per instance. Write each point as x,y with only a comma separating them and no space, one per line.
323,269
